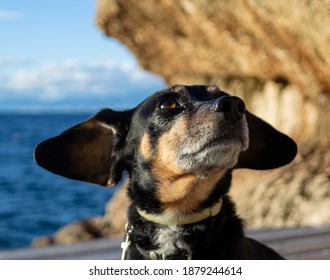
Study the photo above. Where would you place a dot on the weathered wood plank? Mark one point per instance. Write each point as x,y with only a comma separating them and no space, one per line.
298,243
97,250
323,254
274,235
304,243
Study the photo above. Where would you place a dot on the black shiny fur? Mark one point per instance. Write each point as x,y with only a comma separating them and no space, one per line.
100,149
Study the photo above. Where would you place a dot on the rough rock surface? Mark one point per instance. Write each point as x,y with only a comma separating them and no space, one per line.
275,55
205,41
295,195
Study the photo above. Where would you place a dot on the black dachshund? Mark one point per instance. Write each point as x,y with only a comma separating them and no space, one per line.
179,148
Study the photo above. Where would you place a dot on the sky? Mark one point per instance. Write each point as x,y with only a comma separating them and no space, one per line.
54,58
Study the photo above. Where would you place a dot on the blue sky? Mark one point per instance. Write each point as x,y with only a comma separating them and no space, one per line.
53,58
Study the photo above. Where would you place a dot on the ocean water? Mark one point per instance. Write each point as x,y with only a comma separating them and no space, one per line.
33,201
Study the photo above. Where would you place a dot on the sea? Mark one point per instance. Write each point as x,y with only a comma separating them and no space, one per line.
33,201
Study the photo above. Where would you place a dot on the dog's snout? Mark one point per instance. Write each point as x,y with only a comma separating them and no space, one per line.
232,107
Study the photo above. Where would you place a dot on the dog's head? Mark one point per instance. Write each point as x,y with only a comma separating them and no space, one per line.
176,133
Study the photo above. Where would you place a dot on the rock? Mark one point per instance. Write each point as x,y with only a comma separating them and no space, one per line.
80,231
202,41
295,195
42,242
116,212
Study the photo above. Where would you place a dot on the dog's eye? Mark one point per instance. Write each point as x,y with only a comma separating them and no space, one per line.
168,104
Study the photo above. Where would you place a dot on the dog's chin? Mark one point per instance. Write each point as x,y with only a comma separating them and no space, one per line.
214,155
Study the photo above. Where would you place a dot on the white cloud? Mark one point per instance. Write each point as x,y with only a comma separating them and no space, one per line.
10,15
73,79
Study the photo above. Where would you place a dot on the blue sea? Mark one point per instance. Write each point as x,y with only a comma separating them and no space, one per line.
34,202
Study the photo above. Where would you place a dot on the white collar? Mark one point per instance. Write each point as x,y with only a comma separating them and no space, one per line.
182,220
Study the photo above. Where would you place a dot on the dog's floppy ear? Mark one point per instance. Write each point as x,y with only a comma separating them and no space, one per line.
85,152
268,148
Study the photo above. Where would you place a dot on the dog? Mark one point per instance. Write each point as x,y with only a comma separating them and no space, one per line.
179,148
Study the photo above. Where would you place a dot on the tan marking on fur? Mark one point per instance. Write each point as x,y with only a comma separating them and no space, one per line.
184,193
167,146
145,147
178,191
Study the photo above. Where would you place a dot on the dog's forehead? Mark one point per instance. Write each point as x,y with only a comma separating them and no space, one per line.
194,92
201,92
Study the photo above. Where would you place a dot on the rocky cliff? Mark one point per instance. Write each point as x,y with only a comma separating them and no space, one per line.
276,56
274,53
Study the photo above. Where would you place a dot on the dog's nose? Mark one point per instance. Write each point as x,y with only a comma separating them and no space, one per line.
232,107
